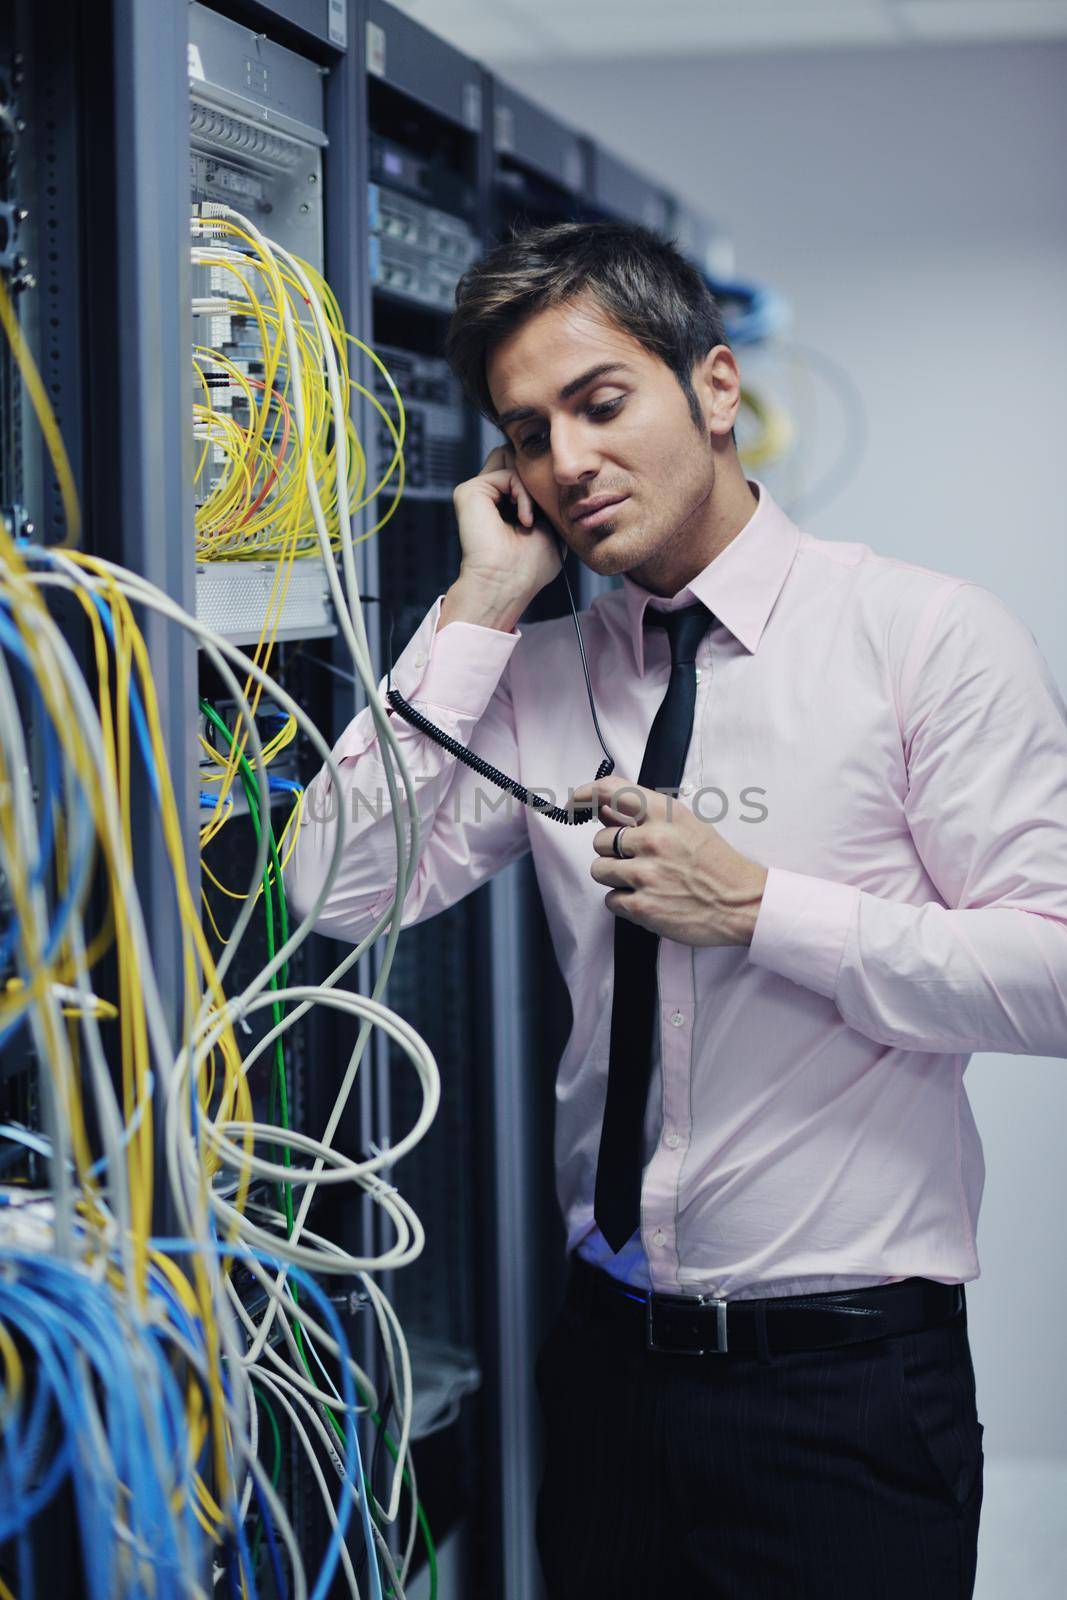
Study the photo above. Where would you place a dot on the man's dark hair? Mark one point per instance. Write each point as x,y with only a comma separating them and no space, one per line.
639,278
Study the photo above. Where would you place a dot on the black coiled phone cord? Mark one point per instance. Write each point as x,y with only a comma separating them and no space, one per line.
483,768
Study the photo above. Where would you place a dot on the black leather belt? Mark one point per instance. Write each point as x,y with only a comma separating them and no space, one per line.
700,1325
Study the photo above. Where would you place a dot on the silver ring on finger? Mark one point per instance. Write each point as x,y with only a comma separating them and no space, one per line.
616,843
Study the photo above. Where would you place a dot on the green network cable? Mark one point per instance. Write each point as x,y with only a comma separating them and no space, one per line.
276,1469
260,816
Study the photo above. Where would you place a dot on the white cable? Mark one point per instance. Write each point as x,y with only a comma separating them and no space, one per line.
331,1452
177,1065
402,1391
268,1381
304,1384
255,1466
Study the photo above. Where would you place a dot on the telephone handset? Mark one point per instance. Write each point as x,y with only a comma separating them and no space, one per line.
509,511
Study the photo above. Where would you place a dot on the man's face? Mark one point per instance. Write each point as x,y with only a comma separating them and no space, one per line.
593,416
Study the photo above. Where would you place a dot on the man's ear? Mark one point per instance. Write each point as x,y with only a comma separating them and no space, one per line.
717,382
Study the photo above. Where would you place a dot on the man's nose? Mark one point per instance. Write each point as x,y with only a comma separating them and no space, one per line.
575,456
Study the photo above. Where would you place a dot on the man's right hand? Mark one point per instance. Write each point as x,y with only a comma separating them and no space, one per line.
504,564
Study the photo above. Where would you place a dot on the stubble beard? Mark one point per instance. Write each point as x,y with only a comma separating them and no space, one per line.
611,565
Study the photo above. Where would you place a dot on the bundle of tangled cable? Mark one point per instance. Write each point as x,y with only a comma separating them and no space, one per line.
136,1367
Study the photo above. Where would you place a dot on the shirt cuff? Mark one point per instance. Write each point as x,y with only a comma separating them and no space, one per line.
802,927
456,671
457,668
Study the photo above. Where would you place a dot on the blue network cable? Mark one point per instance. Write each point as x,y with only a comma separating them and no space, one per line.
81,829
45,557
42,1146
272,1542
353,1461
58,1309
140,722
85,1378
12,642
752,312
105,1409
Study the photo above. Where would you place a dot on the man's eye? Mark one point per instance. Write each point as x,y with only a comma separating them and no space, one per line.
533,443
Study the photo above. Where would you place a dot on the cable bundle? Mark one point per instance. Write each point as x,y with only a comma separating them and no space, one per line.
104,1408
290,471
208,1334
254,471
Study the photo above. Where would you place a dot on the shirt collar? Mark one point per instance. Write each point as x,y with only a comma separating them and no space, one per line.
739,587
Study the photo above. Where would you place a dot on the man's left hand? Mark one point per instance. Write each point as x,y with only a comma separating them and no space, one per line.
678,877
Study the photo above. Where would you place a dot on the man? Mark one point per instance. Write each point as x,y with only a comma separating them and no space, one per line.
761,1383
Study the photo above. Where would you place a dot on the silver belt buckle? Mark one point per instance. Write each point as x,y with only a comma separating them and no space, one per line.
717,1349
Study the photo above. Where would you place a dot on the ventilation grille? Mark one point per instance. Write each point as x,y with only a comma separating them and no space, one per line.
224,131
232,597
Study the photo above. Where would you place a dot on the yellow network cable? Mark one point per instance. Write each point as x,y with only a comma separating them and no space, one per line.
199,975
284,855
288,505
277,517
271,748
229,530
260,504
87,1006
46,419
776,430
206,1509
42,975
14,1375
218,535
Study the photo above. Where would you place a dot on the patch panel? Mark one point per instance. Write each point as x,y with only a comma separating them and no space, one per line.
256,140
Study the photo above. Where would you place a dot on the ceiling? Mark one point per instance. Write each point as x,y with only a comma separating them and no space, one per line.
499,31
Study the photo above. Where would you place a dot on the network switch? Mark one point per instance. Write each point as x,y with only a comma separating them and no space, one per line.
416,251
437,422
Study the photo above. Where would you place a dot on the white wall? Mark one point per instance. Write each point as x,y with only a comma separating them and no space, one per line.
908,202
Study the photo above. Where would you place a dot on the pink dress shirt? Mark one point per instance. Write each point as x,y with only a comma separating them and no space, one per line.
888,741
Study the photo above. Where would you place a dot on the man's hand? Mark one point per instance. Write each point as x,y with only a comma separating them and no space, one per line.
503,536
678,877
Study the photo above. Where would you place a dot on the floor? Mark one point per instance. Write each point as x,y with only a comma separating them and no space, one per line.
1022,1542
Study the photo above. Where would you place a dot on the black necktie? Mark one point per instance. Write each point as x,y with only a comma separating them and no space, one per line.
617,1201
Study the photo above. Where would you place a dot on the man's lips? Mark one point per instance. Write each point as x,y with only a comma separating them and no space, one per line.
599,509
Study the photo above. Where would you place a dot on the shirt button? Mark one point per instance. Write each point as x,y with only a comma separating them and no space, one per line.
672,1141
686,788
677,1019
699,673
420,659
659,1238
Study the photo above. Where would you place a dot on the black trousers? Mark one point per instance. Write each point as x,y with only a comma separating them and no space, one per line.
844,1474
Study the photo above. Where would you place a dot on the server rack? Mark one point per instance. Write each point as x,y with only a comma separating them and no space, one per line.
420,189
100,308
620,191
425,158
541,173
